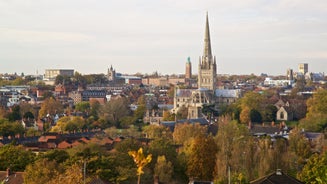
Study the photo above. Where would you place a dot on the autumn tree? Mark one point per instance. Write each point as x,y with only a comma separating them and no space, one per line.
42,171
316,117
154,131
183,132
50,106
200,163
168,116
250,101
232,153
141,161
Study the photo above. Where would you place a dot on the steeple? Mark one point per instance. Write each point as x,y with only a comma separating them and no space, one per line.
207,44
207,65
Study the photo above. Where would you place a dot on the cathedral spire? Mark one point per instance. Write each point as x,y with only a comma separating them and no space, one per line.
207,45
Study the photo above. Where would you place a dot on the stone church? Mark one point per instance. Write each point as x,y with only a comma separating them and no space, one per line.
207,92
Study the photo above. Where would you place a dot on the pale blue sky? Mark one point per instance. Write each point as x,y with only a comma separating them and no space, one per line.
248,36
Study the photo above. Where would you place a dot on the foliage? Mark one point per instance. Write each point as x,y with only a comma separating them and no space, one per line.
114,110
50,106
10,128
255,116
185,132
70,124
83,106
163,169
42,171
59,156
15,157
168,116
154,132
200,164
14,115
140,160
315,171
316,117
182,113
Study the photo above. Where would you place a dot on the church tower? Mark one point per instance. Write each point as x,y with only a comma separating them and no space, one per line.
111,74
207,63
188,69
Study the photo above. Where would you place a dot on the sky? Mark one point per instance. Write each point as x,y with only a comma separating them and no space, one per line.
145,36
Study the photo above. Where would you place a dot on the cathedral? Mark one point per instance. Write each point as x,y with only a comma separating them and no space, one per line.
206,92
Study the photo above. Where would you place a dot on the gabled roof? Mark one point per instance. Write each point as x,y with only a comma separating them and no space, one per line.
14,178
276,178
184,92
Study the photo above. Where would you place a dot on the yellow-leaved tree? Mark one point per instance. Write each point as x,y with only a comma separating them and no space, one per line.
141,161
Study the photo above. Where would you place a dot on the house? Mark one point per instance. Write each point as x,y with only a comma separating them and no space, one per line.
276,178
316,141
10,177
284,113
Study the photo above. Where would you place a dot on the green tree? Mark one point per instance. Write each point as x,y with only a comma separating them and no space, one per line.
83,106
315,170
15,157
316,117
114,110
14,115
163,169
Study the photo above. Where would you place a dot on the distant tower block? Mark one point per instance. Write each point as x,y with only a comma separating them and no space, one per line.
303,68
188,69
290,74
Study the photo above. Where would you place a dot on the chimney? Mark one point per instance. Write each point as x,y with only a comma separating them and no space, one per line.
156,179
8,172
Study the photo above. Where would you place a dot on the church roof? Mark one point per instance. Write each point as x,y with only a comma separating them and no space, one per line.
184,92
228,93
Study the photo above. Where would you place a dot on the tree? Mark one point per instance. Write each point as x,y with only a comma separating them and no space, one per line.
154,132
250,101
141,161
168,116
83,106
255,116
182,113
59,156
42,171
15,157
315,170
316,117
300,146
200,164
14,115
10,128
114,110
163,169
185,132
50,106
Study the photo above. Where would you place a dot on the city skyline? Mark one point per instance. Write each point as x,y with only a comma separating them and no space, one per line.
250,36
